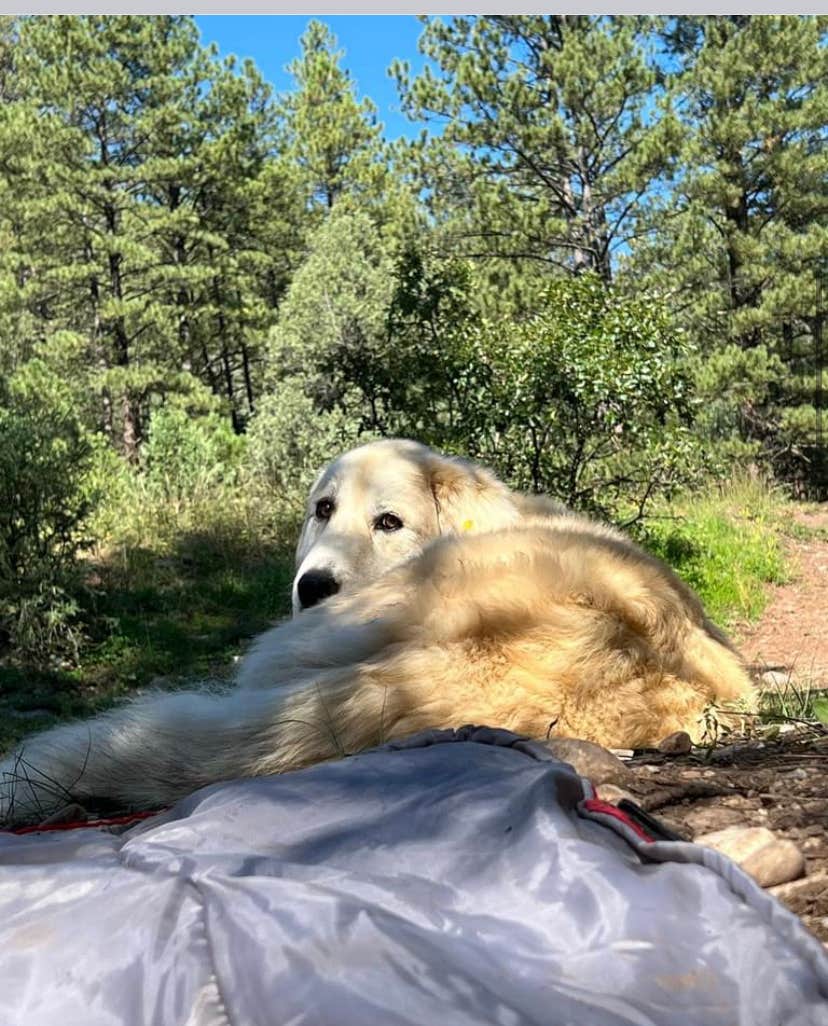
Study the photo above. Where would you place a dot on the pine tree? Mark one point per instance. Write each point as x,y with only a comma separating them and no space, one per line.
744,230
551,134
18,153
334,138
145,217
231,227
104,87
755,103
8,41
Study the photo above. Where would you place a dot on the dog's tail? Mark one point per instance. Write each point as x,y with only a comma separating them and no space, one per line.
712,660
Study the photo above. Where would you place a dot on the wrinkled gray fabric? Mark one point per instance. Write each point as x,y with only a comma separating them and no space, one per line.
443,880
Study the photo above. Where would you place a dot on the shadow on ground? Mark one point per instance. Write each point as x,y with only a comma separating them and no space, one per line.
153,619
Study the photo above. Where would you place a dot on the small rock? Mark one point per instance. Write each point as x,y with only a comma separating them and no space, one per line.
590,760
770,860
777,863
775,679
737,842
612,794
725,753
806,890
706,818
678,743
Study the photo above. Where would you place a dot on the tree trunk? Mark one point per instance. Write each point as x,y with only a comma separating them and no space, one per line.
742,296
229,388
129,413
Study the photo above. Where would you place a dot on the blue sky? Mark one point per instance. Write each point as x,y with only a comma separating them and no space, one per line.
370,42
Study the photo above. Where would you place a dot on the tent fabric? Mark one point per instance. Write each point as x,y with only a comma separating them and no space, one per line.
458,877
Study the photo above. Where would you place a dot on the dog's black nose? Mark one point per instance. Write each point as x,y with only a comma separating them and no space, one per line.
316,585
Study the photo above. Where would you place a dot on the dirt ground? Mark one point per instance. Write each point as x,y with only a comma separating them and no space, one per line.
792,636
780,783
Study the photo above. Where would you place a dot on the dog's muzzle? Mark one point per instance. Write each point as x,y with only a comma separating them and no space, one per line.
314,586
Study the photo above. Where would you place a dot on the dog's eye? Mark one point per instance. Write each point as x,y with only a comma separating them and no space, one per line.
388,522
324,509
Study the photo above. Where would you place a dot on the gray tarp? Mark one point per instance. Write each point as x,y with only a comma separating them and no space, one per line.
442,881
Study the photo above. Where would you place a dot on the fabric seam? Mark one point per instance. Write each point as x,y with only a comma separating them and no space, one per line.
202,904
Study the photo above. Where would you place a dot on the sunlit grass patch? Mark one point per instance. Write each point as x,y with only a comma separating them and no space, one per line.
727,543
797,699
160,604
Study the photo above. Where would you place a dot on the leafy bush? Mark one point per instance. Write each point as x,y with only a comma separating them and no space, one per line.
589,401
191,482
289,439
45,501
188,459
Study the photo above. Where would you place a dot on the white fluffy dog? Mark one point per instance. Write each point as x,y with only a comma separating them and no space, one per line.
427,594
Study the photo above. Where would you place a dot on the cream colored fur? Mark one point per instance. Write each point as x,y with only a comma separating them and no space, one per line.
485,607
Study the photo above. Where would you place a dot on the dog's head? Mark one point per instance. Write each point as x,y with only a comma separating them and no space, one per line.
381,504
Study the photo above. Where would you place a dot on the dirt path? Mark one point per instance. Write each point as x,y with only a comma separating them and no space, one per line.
791,638
782,782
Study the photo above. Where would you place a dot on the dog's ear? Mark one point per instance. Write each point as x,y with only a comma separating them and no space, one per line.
468,497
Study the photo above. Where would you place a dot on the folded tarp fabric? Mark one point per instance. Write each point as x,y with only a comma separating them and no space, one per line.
458,878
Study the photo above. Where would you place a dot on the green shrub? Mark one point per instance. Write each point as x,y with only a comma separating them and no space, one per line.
589,400
45,500
289,439
192,482
188,459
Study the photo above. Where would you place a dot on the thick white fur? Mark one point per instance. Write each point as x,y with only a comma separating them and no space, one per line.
487,606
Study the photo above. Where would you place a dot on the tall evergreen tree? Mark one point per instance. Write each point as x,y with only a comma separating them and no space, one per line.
105,88
229,234
551,134
744,232
143,212
333,137
8,38
19,152
754,101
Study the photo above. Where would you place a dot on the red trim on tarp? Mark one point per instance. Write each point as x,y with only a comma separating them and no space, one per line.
606,809
132,817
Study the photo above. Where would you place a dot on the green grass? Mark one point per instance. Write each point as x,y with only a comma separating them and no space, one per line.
727,543
796,700
172,615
